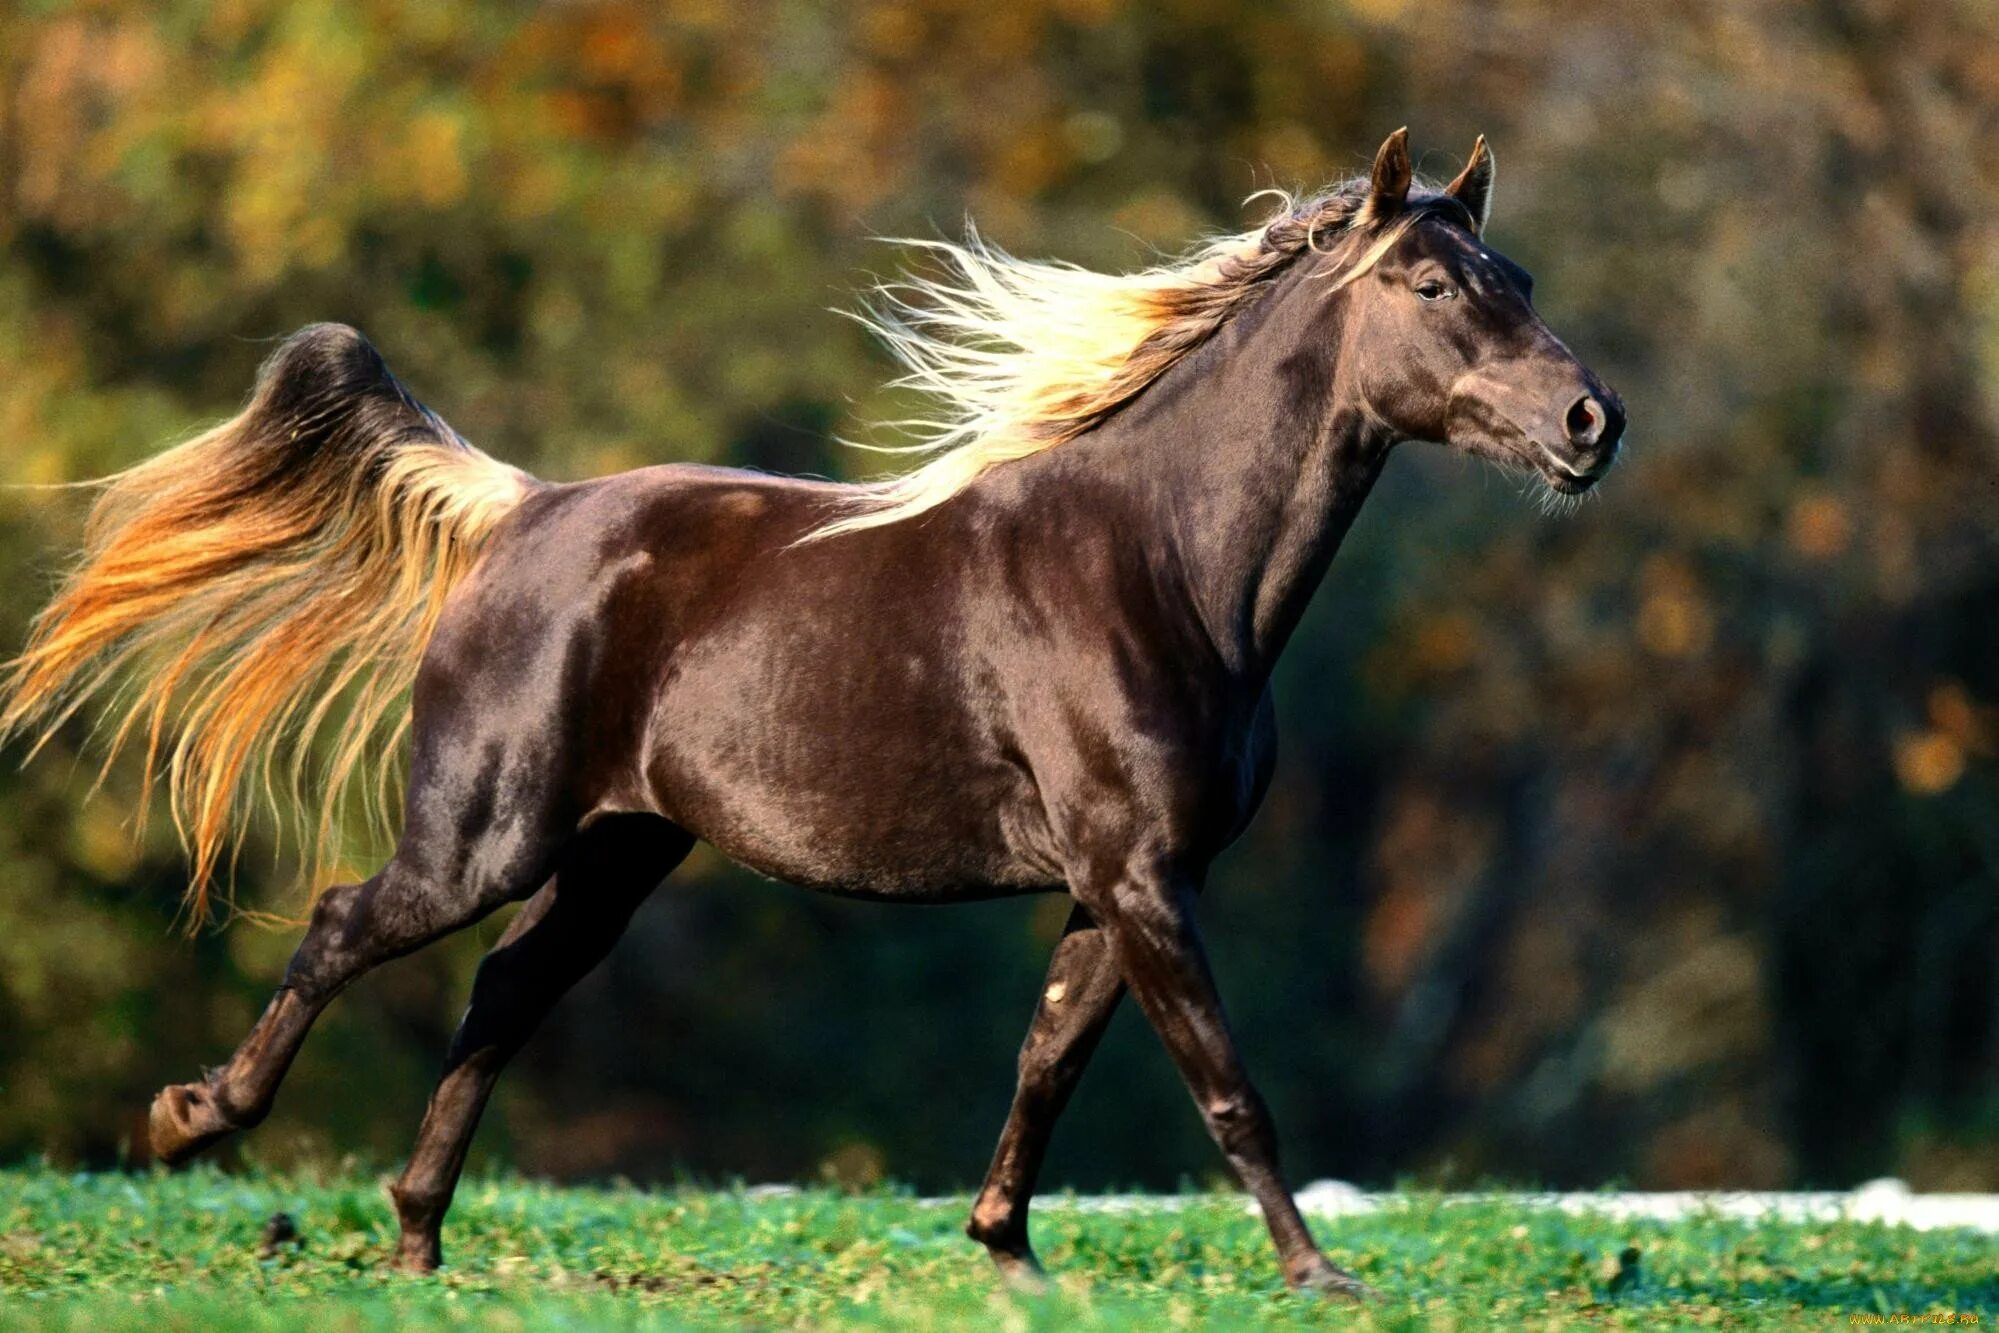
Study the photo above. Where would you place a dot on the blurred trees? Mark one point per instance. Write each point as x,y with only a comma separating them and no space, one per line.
1658,843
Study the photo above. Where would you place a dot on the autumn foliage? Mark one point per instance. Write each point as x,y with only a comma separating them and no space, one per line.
1660,842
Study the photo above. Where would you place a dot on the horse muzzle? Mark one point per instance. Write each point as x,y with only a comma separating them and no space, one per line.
1569,433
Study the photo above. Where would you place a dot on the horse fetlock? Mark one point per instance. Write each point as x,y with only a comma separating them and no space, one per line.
418,1210
996,1225
992,1224
420,1248
418,1255
420,1213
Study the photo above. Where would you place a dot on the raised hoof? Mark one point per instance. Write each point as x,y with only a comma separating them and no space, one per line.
184,1120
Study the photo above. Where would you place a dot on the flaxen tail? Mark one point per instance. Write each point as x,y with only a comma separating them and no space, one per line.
254,603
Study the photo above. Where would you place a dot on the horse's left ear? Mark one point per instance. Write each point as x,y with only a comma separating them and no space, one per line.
1473,187
1388,190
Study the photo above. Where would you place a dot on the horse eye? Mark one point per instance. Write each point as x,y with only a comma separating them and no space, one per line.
1432,290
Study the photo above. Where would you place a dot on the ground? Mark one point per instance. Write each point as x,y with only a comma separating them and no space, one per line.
109,1251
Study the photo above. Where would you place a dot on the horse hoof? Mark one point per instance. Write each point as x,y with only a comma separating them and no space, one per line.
184,1120
1020,1271
1336,1284
417,1259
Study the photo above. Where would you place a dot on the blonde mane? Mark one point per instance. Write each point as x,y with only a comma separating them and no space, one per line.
1019,356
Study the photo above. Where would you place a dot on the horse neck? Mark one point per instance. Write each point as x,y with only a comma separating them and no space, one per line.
1252,457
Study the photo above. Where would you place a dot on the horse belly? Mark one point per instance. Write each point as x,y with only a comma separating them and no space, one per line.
819,838
845,790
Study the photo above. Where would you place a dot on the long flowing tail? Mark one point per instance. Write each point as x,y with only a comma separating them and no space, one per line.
255,602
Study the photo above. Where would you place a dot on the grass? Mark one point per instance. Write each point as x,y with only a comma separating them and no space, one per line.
107,1252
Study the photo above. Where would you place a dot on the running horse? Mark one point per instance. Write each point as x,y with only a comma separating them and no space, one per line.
1039,662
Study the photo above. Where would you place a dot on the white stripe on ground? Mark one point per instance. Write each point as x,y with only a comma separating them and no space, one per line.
1887,1201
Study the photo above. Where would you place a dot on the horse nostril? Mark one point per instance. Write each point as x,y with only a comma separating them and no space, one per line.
1585,421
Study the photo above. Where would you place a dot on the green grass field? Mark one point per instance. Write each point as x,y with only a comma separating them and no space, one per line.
101,1252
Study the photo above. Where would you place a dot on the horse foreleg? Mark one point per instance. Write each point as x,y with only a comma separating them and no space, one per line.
1076,1004
1149,922
565,930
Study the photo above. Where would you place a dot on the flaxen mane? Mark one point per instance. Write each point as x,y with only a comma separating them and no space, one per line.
1019,356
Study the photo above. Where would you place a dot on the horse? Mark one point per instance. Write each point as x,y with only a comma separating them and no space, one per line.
1039,662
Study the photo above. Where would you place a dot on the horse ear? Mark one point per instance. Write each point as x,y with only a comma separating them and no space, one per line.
1389,189
1473,187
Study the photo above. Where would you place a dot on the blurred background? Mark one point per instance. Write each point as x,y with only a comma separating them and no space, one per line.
1658,844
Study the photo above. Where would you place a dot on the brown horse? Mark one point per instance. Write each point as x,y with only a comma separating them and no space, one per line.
1039,663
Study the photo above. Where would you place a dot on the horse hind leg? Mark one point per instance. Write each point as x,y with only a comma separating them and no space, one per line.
444,875
565,930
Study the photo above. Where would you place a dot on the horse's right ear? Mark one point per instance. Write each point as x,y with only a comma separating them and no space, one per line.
1388,191
1473,187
